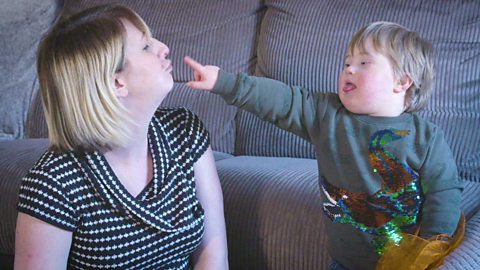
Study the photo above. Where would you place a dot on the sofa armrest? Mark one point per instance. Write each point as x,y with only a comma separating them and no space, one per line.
466,256
16,159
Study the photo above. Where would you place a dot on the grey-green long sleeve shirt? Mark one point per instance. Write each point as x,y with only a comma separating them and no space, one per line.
378,175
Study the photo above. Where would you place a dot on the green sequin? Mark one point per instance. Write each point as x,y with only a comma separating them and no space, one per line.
389,211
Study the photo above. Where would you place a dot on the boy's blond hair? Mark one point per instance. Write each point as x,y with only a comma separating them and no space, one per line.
77,62
409,55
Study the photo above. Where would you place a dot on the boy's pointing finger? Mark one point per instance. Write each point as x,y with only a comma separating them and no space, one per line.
193,64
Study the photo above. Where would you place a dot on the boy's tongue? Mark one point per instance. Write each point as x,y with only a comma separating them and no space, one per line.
349,87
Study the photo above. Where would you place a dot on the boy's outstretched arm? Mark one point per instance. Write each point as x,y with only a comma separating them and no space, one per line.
205,76
288,107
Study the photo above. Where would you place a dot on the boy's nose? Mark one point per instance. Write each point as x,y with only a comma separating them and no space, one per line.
350,69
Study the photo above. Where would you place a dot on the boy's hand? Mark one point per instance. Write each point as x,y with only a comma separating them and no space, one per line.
205,76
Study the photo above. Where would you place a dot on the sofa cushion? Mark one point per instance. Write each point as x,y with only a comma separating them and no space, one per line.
228,28
466,256
16,159
305,45
23,24
273,213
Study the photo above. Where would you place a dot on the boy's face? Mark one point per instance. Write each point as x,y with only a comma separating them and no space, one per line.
367,84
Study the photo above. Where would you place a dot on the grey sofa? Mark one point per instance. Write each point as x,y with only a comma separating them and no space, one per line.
269,177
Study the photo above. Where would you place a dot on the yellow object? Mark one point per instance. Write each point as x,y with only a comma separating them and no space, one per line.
415,252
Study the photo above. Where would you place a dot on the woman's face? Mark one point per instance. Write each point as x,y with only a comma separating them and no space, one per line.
146,73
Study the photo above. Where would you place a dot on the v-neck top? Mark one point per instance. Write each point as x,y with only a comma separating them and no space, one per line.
112,229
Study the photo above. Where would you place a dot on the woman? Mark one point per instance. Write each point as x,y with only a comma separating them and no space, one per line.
117,188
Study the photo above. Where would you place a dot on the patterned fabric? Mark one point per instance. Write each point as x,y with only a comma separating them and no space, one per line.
159,228
387,212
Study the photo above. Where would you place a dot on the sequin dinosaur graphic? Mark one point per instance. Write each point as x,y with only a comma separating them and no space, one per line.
390,210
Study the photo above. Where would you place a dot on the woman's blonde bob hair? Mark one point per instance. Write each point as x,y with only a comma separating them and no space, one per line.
409,55
77,62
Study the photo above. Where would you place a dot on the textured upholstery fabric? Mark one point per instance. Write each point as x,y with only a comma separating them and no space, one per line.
466,256
36,124
273,213
22,22
470,198
16,158
305,45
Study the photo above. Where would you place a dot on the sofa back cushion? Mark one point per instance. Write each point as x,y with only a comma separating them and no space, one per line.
23,24
221,33
304,44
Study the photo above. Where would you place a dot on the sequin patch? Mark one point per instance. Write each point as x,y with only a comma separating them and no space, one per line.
389,211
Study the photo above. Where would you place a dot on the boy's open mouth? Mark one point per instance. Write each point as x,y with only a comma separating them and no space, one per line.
349,87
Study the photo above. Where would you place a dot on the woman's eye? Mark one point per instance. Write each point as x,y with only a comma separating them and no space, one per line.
346,65
363,62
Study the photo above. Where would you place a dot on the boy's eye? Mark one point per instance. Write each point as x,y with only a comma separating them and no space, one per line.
363,62
346,65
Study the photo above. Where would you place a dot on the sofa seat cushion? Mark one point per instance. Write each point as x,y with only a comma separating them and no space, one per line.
273,213
466,256
16,159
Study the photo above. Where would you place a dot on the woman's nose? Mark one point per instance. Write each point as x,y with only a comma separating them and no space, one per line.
163,50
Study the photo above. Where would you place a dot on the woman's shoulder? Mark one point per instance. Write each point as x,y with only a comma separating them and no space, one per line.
50,190
178,119
53,166
174,114
183,128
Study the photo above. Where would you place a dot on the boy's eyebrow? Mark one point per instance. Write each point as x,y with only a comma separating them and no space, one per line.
361,53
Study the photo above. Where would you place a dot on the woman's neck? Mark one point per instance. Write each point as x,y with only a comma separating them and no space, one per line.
137,145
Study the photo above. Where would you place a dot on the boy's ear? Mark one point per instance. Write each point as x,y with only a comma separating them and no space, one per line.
120,87
403,84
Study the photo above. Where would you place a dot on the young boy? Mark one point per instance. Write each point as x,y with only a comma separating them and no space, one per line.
386,174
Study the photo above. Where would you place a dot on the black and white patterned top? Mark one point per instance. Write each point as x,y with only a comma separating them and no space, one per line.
158,229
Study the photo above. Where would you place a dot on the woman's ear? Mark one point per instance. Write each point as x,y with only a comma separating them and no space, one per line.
403,84
120,87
